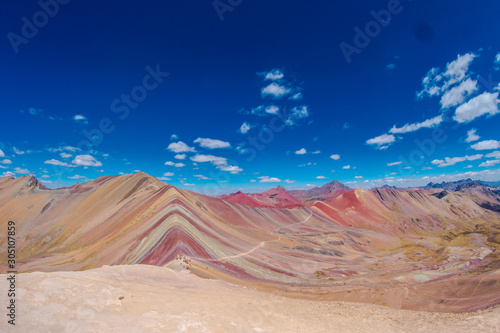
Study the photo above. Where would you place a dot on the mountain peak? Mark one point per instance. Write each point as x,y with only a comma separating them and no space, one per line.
336,185
454,186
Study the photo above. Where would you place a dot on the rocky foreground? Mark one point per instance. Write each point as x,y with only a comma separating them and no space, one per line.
144,298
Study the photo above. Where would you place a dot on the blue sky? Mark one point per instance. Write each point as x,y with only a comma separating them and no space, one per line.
218,96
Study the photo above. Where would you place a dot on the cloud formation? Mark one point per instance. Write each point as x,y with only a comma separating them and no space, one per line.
429,123
448,161
486,145
212,143
180,147
382,141
86,160
267,179
484,104
472,136
245,128
275,91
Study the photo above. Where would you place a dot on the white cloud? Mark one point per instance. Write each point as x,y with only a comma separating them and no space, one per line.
209,158
316,152
174,137
335,157
65,155
272,109
307,164
220,162
288,181
296,113
6,161
457,69
394,163
22,171
274,75
164,178
212,143
497,59
180,147
486,103
321,177
257,111
8,174
201,177
456,95
180,156
177,165
70,148
86,160
245,128
299,112
472,136
495,154
436,82
267,179
168,174
253,181
358,177
382,141
80,118
301,151
230,168
448,161
486,145
430,83
17,151
2,153
489,163
275,91
297,97
78,177
346,167
429,123
188,184
56,162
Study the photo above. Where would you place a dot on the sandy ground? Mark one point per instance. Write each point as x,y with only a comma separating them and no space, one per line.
157,299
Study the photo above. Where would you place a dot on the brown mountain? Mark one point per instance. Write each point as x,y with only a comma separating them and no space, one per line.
404,249
276,197
325,192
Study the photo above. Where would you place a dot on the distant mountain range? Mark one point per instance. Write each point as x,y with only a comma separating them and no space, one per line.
325,192
276,198
279,197
457,185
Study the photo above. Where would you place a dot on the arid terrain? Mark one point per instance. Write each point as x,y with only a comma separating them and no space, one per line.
142,298
432,249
